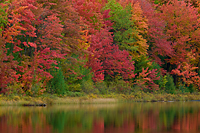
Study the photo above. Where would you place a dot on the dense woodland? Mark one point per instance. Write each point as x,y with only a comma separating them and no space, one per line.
76,47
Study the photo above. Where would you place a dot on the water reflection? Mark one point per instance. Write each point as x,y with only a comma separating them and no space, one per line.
103,118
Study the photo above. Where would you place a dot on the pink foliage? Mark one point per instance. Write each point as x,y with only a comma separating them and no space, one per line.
106,58
146,79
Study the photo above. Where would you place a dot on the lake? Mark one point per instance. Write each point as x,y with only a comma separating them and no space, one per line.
156,117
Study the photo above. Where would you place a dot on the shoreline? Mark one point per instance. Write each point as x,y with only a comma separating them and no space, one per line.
95,99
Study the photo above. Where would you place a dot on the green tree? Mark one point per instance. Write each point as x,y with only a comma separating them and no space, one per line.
123,27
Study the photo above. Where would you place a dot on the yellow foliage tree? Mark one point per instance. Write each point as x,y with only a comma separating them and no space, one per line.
140,22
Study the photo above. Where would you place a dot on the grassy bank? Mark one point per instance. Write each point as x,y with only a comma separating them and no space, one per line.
95,99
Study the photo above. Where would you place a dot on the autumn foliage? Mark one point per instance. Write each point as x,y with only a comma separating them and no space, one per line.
105,38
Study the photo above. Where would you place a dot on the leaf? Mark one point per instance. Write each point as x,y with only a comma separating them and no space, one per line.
32,44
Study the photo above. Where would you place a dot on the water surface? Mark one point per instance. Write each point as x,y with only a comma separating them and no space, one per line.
160,117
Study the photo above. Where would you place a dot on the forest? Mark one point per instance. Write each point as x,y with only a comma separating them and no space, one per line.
78,47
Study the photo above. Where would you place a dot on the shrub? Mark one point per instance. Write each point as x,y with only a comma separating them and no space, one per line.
88,87
102,87
77,74
15,89
169,86
119,86
74,94
57,83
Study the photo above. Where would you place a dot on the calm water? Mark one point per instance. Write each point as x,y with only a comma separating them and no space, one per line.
103,118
